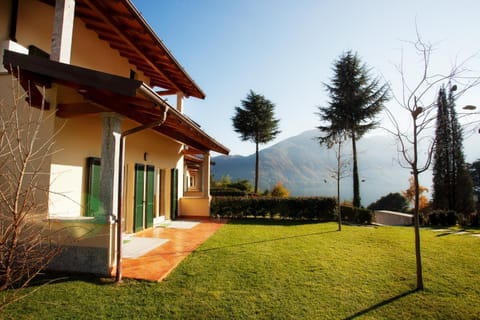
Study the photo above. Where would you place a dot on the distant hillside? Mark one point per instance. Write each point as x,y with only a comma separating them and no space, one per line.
303,167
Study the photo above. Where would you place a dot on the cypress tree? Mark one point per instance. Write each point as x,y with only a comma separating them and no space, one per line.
461,181
452,184
441,157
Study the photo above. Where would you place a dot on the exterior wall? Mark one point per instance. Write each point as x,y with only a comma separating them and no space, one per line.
35,24
392,218
77,139
80,138
87,246
164,154
26,114
191,206
5,8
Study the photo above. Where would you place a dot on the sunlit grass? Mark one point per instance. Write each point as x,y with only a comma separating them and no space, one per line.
286,270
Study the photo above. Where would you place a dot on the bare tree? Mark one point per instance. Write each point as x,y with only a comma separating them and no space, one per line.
26,243
338,174
416,138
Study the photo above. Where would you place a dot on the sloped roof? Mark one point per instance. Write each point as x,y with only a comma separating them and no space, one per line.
120,24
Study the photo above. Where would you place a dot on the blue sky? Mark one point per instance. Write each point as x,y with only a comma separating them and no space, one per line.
284,49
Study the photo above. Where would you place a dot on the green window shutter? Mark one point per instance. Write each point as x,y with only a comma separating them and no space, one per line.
92,205
149,205
174,194
138,197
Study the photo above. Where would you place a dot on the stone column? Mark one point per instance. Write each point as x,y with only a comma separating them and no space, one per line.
111,136
62,30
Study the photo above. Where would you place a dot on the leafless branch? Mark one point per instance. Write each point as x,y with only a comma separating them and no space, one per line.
26,242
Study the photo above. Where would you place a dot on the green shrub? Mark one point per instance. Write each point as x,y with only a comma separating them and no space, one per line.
311,208
356,215
227,192
442,218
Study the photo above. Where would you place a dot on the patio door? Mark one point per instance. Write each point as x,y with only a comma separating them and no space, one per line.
143,197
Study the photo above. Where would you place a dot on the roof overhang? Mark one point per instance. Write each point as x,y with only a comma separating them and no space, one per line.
106,92
121,25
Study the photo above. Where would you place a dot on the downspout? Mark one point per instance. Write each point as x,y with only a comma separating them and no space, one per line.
123,136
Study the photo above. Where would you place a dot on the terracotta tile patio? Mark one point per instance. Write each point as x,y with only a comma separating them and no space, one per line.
158,263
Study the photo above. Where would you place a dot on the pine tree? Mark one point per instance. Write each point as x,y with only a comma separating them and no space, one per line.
355,100
255,122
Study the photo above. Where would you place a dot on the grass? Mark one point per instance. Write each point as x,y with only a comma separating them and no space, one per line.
286,270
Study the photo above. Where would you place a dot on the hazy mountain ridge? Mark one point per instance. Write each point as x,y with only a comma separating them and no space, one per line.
303,166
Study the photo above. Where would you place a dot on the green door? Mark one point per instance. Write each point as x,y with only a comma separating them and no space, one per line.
149,197
174,194
92,199
138,209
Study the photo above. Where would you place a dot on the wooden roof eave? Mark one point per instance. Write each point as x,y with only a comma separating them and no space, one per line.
129,97
184,121
119,23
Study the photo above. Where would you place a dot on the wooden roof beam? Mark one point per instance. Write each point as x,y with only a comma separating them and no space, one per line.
126,40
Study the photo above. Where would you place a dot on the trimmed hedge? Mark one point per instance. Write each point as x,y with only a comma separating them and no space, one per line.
227,192
309,208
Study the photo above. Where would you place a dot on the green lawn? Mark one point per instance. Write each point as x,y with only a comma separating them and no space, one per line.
286,270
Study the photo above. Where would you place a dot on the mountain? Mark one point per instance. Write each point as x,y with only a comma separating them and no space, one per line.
304,167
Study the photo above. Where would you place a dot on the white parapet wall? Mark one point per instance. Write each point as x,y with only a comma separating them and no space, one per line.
393,218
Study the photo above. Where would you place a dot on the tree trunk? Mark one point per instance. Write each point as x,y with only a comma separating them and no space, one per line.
418,257
356,184
257,162
339,169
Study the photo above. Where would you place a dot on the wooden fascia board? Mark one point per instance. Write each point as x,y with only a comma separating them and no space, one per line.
66,73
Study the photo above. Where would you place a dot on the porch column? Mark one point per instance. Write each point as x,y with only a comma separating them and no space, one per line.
111,136
206,175
62,30
180,101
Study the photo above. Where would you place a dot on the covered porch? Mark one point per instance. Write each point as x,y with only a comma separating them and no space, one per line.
99,110
182,238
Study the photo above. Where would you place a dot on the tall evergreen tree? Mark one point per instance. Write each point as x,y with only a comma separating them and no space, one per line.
452,183
255,121
441,158
355,100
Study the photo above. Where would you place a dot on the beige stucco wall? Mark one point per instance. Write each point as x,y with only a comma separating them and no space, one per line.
77,139
195,206
80,138
5,8
26,115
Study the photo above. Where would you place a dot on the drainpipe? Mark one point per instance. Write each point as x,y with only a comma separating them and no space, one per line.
157,123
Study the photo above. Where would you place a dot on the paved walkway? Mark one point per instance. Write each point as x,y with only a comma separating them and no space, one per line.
159,262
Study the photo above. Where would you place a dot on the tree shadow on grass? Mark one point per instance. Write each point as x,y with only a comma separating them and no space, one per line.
381,304
53,277
273,222
266,241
